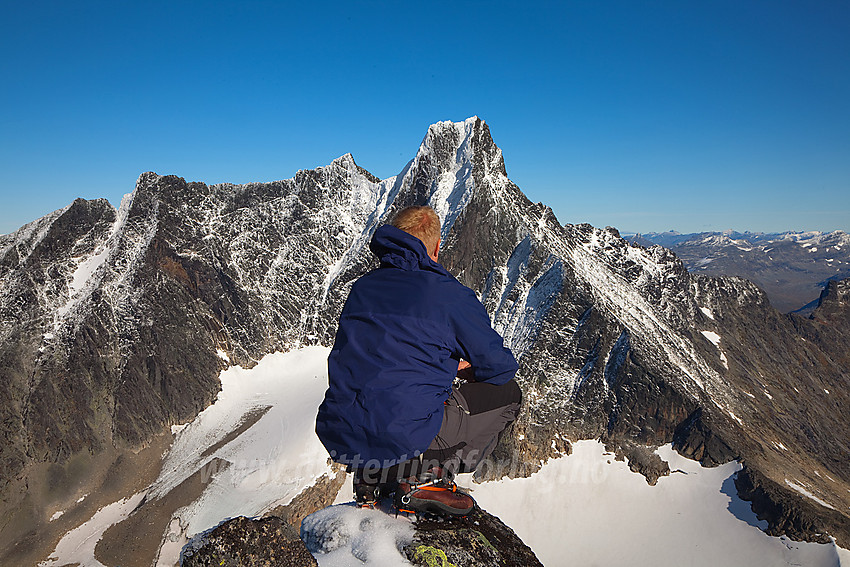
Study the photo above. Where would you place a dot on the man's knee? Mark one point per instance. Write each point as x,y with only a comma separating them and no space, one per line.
514,391
482,396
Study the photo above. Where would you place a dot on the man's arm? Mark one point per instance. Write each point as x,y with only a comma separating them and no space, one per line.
480,344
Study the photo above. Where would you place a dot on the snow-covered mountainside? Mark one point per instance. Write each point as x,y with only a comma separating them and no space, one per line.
117,323
792,267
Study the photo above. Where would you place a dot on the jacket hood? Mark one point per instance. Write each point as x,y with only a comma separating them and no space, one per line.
397,248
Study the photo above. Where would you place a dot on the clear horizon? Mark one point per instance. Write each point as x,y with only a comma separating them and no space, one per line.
649,118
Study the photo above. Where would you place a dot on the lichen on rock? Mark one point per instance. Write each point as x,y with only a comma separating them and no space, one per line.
479,539
243,541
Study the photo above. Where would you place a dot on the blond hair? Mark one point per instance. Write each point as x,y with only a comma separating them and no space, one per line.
421,222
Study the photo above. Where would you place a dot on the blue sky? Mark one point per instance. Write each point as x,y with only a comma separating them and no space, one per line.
646,116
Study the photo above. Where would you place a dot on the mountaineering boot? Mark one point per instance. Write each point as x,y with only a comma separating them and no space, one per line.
366,495
432,492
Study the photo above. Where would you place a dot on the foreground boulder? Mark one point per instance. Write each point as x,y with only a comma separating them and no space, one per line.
245,542
479,539
344,532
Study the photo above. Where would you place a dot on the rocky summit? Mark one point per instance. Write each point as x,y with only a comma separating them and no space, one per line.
245,542
381,536
116,324
479,539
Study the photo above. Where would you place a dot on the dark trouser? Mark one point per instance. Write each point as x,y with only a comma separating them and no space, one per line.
474,417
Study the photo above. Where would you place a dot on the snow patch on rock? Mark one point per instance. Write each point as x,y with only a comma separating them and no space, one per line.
77,546
805,492
343,535
712,336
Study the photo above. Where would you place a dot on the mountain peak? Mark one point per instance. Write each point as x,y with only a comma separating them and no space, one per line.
344,160
463,124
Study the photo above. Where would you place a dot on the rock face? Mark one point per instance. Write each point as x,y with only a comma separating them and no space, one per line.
115,324
315,497
786,513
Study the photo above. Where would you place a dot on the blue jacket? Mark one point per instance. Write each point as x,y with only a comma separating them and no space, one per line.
401,332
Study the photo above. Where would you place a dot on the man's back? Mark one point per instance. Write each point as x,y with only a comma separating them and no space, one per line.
401,333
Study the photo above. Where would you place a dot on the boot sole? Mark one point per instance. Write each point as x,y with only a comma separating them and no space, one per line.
431,506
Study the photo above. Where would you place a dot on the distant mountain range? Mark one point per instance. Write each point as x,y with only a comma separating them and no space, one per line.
793,268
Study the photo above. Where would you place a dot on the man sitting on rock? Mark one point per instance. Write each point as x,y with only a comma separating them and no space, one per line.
390,413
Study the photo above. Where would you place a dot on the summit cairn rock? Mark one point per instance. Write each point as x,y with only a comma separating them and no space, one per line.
479,539
246,542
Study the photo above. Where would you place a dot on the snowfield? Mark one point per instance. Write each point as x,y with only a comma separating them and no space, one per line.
581,509
270,462
588,509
